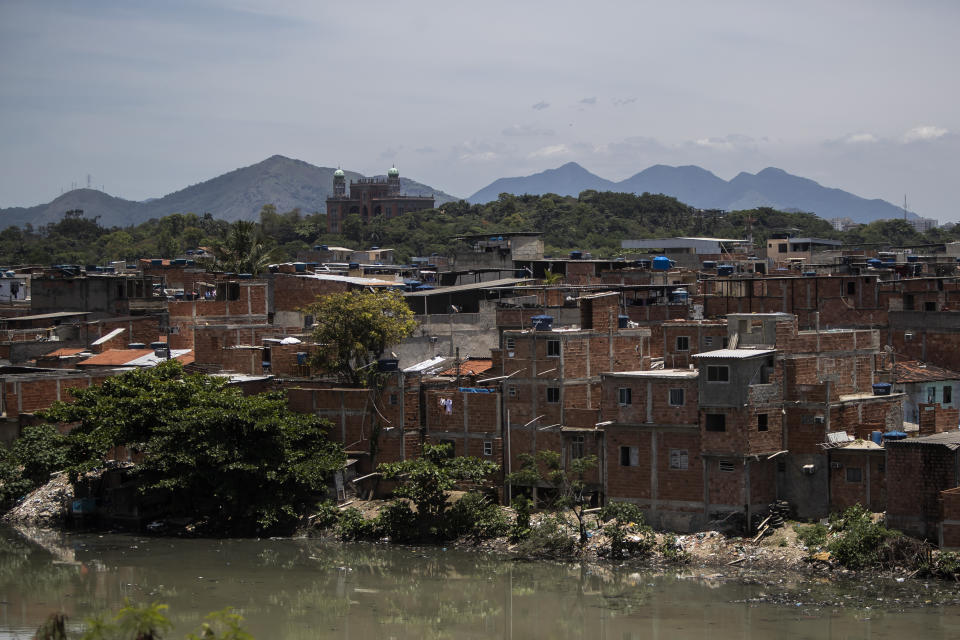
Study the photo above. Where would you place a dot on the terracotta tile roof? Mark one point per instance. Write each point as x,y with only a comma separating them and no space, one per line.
114,357
916,371
470,367
62,353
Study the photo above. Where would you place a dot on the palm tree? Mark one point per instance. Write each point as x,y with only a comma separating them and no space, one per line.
244,251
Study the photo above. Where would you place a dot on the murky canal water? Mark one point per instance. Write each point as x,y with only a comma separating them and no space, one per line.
299,589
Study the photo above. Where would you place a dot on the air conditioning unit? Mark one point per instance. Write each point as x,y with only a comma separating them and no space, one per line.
836,465
819,420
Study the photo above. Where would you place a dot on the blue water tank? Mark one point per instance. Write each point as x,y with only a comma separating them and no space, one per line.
245,276
809,273
300,267
353,265
661,263
542,323
576,255
709,264
679,295
724,269
873,262
895,435
913,258
876,437
157,262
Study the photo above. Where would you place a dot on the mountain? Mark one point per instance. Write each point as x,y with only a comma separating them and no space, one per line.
239,194
568,180
700,188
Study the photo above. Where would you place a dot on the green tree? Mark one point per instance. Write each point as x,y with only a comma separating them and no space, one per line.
244,250
568,481
234,463
428,479
354,328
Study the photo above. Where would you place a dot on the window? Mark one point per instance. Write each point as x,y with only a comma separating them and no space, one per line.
487,447
708,341
726,466
929,306
854,474
629,456
512,391
715,422
726,341
553,395
394,399
679,459
553,348
718,373
851,288
510,343
576,447
762,421
947,395
782,247
683,343
676,397
624,396
931,395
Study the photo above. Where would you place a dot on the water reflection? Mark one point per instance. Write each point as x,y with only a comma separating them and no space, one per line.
299,589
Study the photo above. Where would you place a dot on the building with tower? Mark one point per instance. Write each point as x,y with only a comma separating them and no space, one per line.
370,197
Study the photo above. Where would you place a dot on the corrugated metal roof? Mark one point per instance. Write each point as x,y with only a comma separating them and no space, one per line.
911,371
949,439
734,353
427,365
656,373
490,284
108,336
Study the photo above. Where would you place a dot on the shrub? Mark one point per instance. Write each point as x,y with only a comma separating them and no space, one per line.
812,536
326,516
477,516
670,549
858,540
353,526
549,538
520,529
626,530
398,521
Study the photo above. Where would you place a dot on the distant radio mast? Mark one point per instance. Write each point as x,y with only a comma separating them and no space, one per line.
904,206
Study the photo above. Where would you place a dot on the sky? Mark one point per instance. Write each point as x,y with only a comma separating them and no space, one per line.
148,97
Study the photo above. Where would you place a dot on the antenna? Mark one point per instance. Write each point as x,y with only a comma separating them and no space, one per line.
904,206
88,181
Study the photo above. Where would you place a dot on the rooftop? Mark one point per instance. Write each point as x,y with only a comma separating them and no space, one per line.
470,367
734,353
916,371
949,439
688,374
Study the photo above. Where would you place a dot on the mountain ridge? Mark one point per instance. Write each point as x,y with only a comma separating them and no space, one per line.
700,188
241,193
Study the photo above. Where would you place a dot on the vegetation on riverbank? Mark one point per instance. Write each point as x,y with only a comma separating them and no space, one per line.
143,621
231,464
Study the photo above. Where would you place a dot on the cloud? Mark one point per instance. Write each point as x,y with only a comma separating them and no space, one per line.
731,142
592,100
550,152
425,150
621,102
924,132
540,106
859,138
526,130
475,151
390,153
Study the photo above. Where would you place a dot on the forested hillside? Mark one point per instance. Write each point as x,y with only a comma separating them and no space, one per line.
594,221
